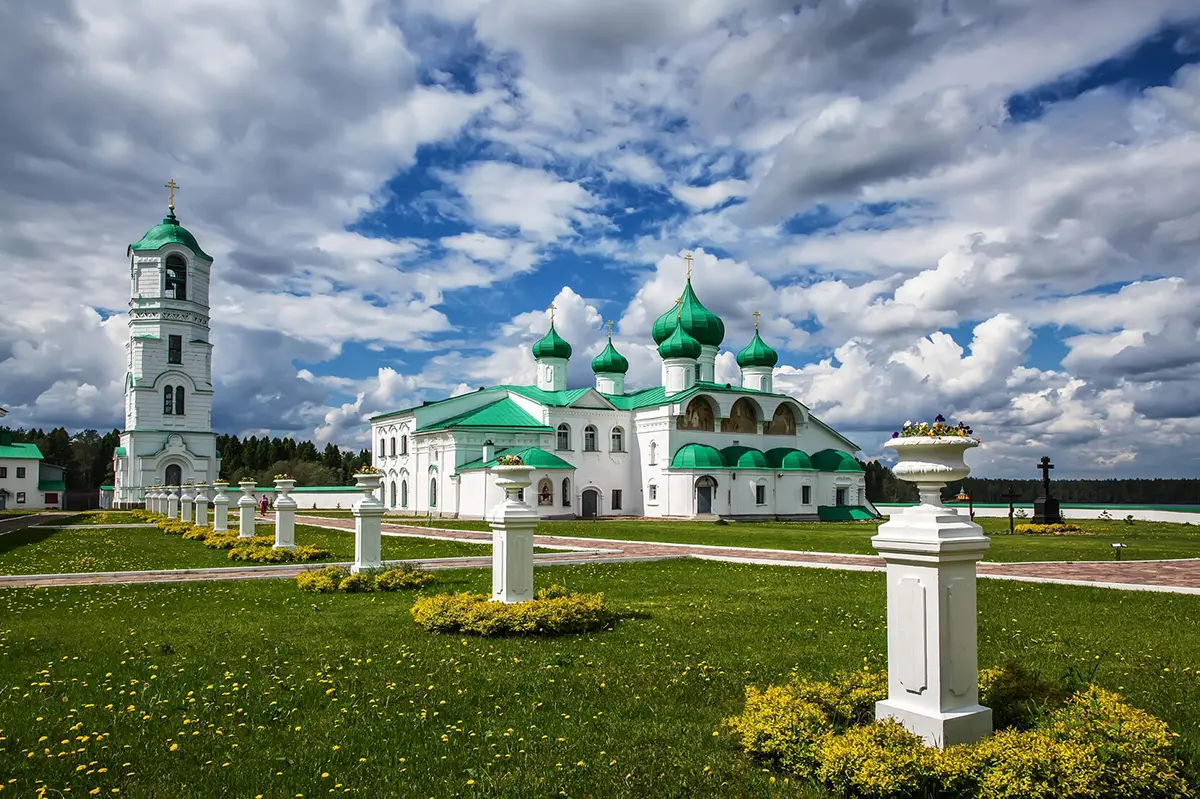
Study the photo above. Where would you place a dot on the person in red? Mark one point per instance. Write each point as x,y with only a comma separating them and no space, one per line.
262,505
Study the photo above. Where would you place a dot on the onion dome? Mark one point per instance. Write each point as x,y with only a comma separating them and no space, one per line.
699,322
609,361
757,353
169,231
679,344
665,324
551,345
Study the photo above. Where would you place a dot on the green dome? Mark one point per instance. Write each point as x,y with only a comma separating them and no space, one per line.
788,459
699,322
757,353
551,345
744,458
679,345
609,361
169,231
697,456
834,460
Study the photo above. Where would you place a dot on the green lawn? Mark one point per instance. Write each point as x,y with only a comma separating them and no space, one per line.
88,549
1146,540
98,517
248,688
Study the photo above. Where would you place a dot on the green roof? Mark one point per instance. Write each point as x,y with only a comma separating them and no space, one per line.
119,452
533,456
696,320
20,451
106,487
52,485
169,231
844,513
834,460
697,456
551,345
503,413
744,458
788,459
557,399
757,353
680,344
609,361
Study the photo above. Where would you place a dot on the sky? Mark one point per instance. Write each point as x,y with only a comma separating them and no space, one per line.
988,209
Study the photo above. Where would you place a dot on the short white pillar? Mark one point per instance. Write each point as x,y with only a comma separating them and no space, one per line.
173,503
220,507
246,505
368,524
285,514
512,523
202,504
931,551
186,500
156,500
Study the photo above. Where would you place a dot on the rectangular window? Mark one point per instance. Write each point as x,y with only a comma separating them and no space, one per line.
20,497
20,472
840,497
760,494
174,349
805,495
652,493
616,499
52,499
3,471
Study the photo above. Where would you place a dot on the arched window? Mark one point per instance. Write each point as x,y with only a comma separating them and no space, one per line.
176,279
382,449
393,447
403,445
179,400
566,492
564,436
743,418
168,400
545,492
404,493
392,497
433,492
174,475
618,440
589,438
653,452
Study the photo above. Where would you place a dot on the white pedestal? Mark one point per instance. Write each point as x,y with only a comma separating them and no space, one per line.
186,500
202,505
246,505
933,677
368,525
512,523
220,508
155,503
285,515
173,503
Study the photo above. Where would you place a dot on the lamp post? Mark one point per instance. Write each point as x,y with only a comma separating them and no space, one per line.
963,496
1011,497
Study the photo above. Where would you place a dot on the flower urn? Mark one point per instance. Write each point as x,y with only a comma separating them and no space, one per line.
931,462
368,483
512,479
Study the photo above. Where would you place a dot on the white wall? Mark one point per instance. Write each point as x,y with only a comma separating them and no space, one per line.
27,485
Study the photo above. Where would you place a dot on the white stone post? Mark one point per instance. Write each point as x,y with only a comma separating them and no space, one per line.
368,524
220,507
156,500
246,505
173,503
186,500
931,551
202,504
512,523
285,514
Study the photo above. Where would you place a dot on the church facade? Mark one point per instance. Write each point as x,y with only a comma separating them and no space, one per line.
687,448
168,437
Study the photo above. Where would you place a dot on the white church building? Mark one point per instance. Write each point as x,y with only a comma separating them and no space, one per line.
689,447
168,437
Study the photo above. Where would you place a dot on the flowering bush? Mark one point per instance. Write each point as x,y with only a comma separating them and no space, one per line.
357,583
263,554
247,480
321,581
938,427
1047,529
284,476
510,460
332,579
402,577
553,613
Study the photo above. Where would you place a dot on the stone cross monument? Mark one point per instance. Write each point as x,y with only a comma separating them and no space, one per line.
1045,507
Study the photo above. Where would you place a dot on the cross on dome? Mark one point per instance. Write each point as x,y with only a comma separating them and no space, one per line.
172,185
688,257
756,315
551,313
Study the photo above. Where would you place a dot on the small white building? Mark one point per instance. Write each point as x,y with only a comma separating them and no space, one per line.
26,483
688,448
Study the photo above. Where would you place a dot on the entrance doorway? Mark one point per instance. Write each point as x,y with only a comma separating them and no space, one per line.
590,502
704,494
174,475
840,497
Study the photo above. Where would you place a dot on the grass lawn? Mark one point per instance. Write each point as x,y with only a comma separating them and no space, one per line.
241,689
43,551
99,517
1146,540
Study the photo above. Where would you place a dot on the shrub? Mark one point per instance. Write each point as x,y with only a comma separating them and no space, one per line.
1014,764
1017,696
357,583
880,759
474,613
321,581
198,533
403,577
1047,529
265,554
780,726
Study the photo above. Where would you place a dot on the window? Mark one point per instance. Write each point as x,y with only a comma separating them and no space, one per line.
653,453
839,497
3,471
564,437
52,499
174,349
174,475
805,495
589,439
393,447
404,493
616,499
618,440
403,445
20,497
652,492
168,400
392,495
382,449
697,372
760,494
20,472
179,400
176,284
566,492
433,492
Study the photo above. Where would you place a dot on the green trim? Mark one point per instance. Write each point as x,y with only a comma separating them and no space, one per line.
535,457
502,414
149,337
107,488
52,485
23,452
169,231
120,452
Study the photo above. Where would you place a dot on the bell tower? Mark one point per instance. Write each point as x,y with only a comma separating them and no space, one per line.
168,434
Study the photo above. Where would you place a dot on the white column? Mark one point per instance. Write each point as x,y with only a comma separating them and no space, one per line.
220,507
285,515
173,503
246,509
156,500
186,500
368,524
512,523
931,551
202,504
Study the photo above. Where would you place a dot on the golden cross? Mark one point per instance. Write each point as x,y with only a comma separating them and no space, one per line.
551,313
756,315
688,258
172,185
610,324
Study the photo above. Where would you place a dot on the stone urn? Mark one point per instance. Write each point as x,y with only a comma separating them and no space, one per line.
368,483
931,462
512,479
